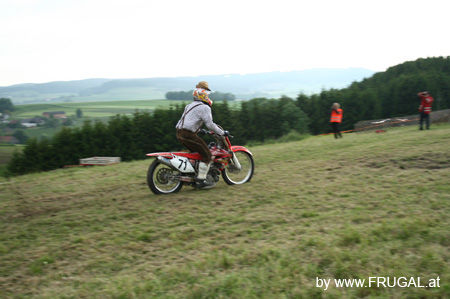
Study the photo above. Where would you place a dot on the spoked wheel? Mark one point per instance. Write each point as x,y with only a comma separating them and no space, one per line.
162,179
234,176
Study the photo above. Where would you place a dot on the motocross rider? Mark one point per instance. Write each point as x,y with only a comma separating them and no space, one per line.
194,116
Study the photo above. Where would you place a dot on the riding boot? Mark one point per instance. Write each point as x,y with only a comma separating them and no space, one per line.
203,169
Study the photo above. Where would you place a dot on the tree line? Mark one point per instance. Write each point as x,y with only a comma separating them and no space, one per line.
187,95
131,137
6,105
384,95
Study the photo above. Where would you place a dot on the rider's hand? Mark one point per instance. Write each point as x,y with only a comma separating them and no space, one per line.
226,133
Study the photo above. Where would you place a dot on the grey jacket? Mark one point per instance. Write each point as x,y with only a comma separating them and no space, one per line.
195,118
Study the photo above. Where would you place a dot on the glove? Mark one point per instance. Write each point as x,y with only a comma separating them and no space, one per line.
226,133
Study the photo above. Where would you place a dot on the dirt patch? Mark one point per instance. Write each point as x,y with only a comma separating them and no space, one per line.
440,116
424,161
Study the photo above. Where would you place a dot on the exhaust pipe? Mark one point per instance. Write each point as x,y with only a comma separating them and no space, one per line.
164,161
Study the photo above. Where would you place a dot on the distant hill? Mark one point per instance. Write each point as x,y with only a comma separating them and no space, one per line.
34,93
271,84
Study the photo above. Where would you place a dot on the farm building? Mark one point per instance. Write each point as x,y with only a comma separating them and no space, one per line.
28,125
4,118
9,139
31,122
55,114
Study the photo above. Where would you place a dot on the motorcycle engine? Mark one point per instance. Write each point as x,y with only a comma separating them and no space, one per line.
213,177
215,174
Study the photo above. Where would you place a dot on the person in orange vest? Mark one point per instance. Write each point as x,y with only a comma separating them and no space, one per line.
336,119
425,108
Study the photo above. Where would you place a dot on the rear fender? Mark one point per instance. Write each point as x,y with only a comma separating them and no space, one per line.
166,155
178,162
170,155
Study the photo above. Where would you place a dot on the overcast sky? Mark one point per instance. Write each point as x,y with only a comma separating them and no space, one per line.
49,40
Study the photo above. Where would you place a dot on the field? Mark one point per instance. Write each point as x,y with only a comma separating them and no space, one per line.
97,109
93,109
362,206
6,152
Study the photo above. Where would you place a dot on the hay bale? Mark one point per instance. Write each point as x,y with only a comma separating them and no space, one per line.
99,161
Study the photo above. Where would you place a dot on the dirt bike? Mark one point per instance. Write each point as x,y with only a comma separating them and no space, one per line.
171,170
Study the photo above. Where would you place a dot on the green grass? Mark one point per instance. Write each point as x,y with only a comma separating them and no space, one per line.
93,109
97,109
365,205
6,152
39,132
120,94
115,94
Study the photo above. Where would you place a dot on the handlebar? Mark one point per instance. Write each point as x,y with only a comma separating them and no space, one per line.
208,132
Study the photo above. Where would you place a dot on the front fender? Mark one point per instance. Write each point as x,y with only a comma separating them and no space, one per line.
240,148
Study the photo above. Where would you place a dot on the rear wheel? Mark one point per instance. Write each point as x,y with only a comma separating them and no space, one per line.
162,179
233,176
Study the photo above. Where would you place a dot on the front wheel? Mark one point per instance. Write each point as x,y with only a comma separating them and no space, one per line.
233,176
162,179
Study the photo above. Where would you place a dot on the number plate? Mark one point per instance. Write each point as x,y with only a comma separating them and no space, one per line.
182,164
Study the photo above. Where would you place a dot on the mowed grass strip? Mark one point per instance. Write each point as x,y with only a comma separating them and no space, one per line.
94,109
100,109
362,206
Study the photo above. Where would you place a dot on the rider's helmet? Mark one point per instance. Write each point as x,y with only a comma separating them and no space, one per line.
201,93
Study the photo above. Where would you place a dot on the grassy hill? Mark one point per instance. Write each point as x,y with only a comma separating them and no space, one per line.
387,94
30,92
362,206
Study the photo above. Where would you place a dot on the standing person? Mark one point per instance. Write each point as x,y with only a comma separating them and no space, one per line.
336,119
425,108
194,116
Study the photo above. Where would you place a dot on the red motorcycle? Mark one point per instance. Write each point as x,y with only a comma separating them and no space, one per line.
171,170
